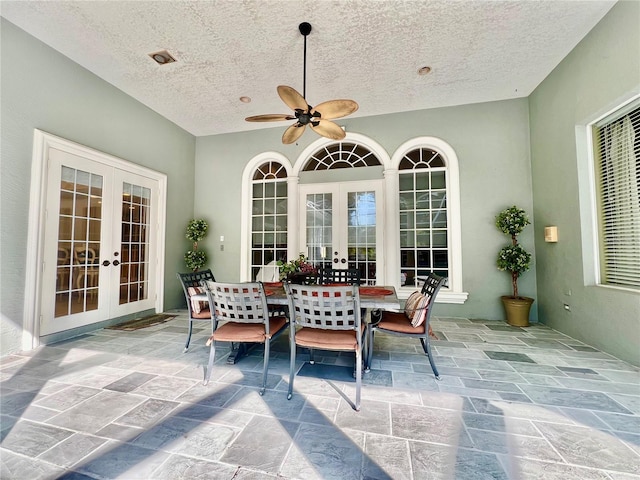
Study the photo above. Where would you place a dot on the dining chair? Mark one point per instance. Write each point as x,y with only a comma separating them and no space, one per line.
198,310
325,318
328,276
413,322
243,309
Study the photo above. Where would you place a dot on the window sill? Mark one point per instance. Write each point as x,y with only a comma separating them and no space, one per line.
618,288
444,295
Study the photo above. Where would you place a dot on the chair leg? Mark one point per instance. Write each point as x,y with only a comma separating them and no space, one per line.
265,370
292,365
358,378
186,346
369,357
365,346
311,357
426,346
212,356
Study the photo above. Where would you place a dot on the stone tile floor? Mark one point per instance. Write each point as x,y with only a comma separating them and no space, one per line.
513,403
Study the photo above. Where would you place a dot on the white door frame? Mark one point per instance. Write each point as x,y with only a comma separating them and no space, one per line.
34,262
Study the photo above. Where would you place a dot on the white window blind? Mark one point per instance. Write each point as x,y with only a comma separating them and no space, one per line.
617,156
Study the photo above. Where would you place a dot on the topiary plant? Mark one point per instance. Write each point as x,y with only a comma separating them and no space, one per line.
513,258
196,231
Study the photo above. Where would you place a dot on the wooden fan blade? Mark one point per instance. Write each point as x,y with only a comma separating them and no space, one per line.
328,129
293,133
272,117
292,98
336,108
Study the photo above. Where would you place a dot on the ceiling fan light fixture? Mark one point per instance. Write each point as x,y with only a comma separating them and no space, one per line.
162,57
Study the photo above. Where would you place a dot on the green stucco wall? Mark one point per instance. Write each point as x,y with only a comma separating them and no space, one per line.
491,141
43,89
602,71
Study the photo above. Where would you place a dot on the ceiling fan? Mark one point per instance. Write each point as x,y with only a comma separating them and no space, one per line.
319,118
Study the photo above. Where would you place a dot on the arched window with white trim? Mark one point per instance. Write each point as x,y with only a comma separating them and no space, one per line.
423,215
428,210
265,213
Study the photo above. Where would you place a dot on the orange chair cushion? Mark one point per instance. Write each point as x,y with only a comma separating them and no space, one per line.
398,322
247,332
205,314
343,340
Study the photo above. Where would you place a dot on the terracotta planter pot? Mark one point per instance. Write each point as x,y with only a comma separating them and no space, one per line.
517,310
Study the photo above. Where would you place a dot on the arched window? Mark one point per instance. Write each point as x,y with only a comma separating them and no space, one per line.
341,205
428,211
265,221
423,215
268,216
341,155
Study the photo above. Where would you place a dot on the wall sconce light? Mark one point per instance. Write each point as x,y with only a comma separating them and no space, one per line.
551,234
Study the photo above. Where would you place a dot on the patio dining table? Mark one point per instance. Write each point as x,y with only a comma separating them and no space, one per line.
371,298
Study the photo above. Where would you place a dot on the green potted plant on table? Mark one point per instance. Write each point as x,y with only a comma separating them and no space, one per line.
196,231
298,270
515,260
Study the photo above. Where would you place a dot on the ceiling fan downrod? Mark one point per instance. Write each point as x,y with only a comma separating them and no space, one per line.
305,30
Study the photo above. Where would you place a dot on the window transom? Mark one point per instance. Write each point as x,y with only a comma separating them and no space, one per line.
341,155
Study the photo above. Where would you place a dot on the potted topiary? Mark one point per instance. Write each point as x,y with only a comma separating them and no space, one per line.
196,231
515,260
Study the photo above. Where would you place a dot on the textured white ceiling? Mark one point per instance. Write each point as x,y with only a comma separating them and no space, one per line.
364,50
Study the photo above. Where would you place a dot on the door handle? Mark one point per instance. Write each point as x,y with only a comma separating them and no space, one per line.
106,263
116,263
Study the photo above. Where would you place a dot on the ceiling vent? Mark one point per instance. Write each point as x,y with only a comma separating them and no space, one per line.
162,57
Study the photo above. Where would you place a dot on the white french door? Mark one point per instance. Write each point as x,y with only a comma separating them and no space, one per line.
100,253
342,226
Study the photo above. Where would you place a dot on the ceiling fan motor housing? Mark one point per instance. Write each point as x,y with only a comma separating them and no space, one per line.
305,116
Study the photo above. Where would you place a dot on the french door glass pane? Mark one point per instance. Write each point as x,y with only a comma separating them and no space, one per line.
361,236
77,269
134,249
319,228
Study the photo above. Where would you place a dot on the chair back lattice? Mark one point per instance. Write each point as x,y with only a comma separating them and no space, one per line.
194,279
431,286
237,302
329,308
349,276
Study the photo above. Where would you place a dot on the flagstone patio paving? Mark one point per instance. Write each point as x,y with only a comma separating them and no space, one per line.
513,403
